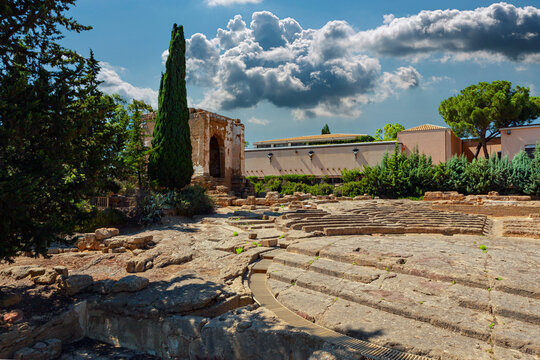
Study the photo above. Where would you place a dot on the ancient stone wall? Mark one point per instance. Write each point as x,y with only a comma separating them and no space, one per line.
217,147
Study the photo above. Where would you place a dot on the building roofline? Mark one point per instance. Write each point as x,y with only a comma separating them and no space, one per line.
325,137
270,149
520,126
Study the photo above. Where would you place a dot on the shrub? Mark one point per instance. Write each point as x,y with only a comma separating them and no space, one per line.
102,218
521,176
350,175
352,189
191,201
456,174
478,176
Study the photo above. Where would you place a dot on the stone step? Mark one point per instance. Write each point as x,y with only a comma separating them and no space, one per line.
271,254
386,329
261,266
440,312
495,302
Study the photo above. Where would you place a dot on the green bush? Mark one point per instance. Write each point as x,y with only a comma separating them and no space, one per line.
521,176
191,201
455,179
352,189
350,175
102,218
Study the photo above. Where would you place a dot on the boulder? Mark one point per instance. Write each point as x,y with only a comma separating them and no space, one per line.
18,272
47,350
37,271
130,283
87,242
102,234
74,284
118,250
13,317
61,270
48,278
252,235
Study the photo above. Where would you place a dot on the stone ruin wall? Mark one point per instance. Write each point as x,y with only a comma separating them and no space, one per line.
230,136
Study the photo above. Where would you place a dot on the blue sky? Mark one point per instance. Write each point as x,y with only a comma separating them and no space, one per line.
285,68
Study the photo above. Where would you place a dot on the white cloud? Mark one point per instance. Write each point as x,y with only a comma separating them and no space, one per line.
231,2
499,32
315,72
256,121
113,84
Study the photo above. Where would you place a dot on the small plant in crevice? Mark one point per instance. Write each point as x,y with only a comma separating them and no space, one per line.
239,250
293,282
492,325
498,278
235,233
281,236
483,248
453,282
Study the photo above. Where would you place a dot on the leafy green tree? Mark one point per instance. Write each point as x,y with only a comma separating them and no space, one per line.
536,170
325,130
59,141
170,164
389,132
136,151
481,110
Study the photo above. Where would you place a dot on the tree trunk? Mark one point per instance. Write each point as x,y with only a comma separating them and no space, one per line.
478,147
484,145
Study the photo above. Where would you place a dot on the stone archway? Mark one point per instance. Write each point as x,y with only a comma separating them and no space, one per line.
215,158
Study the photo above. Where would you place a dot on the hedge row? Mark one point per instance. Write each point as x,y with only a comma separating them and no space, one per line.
400,175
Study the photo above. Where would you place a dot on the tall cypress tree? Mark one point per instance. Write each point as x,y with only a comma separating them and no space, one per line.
170,164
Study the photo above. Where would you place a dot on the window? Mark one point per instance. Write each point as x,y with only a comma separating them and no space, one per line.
529,149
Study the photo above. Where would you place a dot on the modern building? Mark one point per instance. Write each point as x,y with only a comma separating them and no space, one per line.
306,140
517,138
319,160
437,141
295,156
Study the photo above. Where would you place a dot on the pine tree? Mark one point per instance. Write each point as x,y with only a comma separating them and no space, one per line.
58,142
170,165
325,130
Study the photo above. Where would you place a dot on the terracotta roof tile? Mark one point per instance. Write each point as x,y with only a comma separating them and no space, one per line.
425,127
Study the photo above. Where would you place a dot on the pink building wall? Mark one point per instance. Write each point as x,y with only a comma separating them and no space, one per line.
513,140
327,160
440,144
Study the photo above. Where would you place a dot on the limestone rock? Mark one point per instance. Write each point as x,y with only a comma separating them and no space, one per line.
87,242
74,284
37,271
269,242
130,283
48,278
18,272
9,297
119,250
102,234
13,317
252,236
61,270
48,350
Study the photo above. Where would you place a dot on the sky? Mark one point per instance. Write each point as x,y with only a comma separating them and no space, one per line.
286,68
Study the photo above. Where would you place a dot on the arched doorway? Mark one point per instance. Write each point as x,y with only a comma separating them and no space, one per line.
215,158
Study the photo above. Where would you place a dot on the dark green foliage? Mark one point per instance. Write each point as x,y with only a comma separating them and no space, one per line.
521,177
192,201
325,130
288,184
352,189
478,176
358,139
455,177
59,138
351,175
170,165
479,111
536,170
102,219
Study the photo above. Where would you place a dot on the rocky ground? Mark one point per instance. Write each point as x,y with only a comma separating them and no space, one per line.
402,274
